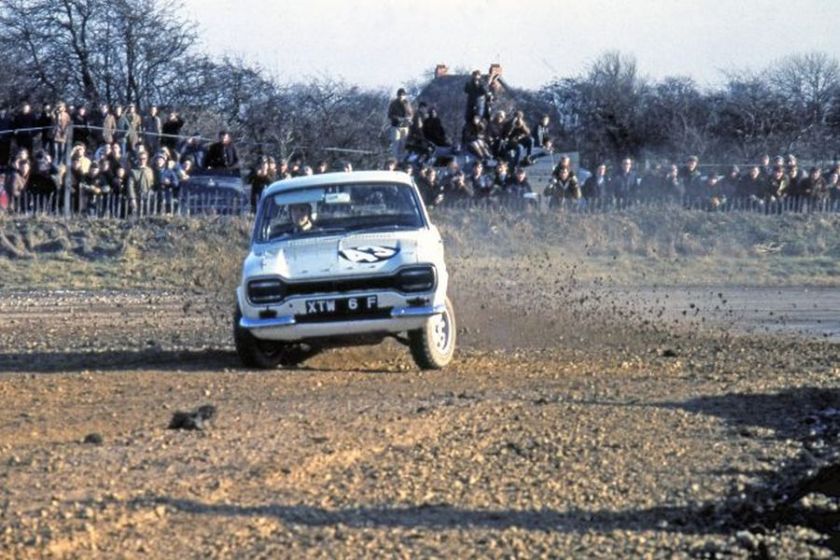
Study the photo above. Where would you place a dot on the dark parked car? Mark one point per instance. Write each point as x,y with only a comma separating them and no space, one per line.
214,192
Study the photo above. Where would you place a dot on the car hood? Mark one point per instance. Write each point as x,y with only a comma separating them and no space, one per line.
333,256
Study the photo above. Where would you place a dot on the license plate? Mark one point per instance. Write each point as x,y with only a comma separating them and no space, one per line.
341,306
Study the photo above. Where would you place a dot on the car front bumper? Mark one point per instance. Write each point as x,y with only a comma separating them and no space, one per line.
287,328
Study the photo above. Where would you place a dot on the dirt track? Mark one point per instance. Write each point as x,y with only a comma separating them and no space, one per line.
571,424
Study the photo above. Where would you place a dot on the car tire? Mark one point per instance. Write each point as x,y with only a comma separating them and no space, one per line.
265,354
433,346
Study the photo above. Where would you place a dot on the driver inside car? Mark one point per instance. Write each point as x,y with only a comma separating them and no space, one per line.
301,215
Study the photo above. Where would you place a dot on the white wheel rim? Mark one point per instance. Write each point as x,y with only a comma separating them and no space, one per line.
441,332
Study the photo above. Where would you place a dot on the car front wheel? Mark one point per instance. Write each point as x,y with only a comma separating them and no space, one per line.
433,346
266,354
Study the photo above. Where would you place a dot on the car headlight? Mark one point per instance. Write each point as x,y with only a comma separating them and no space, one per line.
417,279
266,290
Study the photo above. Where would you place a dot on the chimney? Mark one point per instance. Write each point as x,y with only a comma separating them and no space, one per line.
441,70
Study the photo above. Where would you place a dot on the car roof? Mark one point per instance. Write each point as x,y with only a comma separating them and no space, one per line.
339,178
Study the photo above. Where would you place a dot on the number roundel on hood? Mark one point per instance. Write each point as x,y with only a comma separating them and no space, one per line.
368,253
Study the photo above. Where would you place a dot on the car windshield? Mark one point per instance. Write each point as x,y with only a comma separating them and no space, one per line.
330,209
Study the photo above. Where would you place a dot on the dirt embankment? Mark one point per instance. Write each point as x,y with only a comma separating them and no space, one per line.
640,247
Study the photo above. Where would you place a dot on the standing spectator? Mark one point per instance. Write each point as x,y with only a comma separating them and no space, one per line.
542,134
25,124
764,167
501,177
165,183
116,158
322,167
624,184
45,178
141,180
480,184
60,132
259,179
129,126
151,130
595,187
46,122
753,185
222,154
106,124
777,184
692,178
192,147
429,186
171,129
433,129
729,184
565,186
399,116
794,177
673,188
477,92
120,127
416,142
518,186
81,126
812,186
5,138
650,185
457,189
832,186
16,183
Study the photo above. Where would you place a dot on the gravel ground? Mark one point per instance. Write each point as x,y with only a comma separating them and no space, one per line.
572,424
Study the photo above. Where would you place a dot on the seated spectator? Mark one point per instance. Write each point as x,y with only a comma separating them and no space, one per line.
597,185
222,154
433,129
419,149
475,139
564,163
518,139
495,135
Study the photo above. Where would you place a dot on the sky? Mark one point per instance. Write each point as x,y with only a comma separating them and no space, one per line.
387,43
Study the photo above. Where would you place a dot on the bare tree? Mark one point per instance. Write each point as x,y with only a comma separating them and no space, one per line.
97,49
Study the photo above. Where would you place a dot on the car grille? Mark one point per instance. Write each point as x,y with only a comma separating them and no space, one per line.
341,286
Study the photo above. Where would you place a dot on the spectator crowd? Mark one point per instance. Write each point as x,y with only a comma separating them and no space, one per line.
118,153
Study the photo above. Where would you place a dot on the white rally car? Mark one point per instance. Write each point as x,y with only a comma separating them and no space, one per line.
341,259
